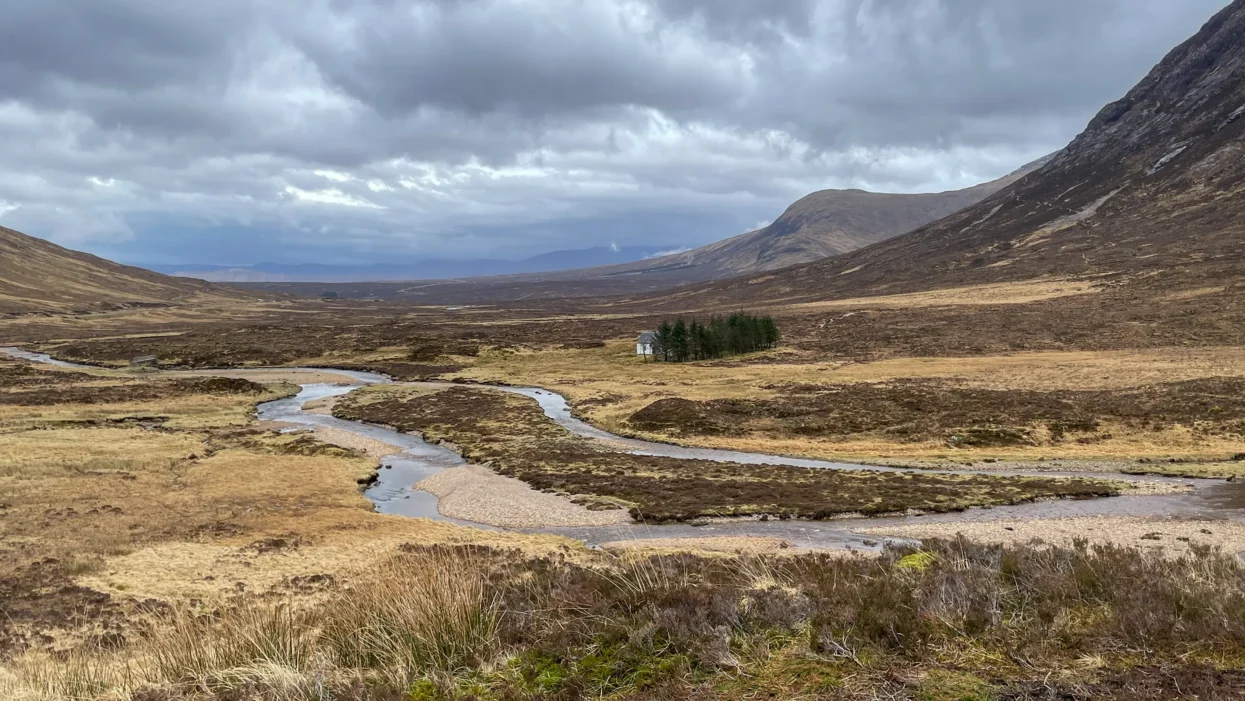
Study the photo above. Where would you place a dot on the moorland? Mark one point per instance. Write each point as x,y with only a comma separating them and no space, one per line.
1053,377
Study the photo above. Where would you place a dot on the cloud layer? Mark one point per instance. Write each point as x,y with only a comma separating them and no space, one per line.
234,132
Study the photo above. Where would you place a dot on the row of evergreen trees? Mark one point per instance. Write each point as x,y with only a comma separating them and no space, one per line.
681,341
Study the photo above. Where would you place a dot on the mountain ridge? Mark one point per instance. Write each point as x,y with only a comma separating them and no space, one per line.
828,223
430,269
38,276
820,224
1149,195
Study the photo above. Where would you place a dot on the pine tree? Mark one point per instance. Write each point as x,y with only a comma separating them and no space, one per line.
661,340
679,341
770,331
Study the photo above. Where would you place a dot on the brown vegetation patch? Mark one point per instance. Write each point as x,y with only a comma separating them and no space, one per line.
513,435
24,385
680,416
1148,683
600,401
277,443
1120,317
15,374
84,480
963,416
40,597
215,347
407,348
426,350
996,293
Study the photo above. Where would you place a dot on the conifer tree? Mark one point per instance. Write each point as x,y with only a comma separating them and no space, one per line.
661,340
738,333
679,341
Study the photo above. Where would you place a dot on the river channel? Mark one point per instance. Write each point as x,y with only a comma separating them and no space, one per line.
394,491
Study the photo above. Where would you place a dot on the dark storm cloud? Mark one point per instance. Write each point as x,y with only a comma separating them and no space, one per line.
46,48
393,122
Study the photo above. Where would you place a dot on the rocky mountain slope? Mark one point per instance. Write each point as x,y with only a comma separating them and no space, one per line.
39,276
1151,196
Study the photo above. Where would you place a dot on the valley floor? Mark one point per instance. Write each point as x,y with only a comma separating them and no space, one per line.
1101,411
137,505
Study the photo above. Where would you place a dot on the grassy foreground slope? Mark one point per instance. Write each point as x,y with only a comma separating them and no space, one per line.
948,623
124,494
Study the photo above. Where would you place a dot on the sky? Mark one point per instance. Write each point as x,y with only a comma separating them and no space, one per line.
233,132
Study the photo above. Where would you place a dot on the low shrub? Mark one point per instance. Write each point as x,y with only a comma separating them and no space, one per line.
951,620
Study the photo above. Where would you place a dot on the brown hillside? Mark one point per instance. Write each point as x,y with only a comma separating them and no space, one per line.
38,276
1148,198
827,223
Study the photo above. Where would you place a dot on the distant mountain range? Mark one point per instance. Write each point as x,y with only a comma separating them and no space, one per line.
1148,202
823,224
417,270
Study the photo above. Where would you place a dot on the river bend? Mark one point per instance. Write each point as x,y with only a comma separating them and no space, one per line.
393,492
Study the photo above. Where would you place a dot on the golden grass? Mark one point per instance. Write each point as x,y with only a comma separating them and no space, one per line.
1125,445
1232,469
174,513
414,615
1053,370
72,453
162,496
189,412
1194,293
995,293
273,646
607,385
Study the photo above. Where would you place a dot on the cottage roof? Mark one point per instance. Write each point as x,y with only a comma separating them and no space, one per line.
647,337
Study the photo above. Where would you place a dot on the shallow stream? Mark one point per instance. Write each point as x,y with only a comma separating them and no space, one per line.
394,492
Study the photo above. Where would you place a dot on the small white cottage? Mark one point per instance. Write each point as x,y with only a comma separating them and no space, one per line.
644,344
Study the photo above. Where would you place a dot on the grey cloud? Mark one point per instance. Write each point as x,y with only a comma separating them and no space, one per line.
133,45
536,59
934,74
745,20
462,120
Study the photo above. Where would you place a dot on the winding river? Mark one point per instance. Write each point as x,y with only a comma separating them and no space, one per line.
394,492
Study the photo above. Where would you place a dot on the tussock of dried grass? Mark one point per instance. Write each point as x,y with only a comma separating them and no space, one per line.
420,612
440,620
